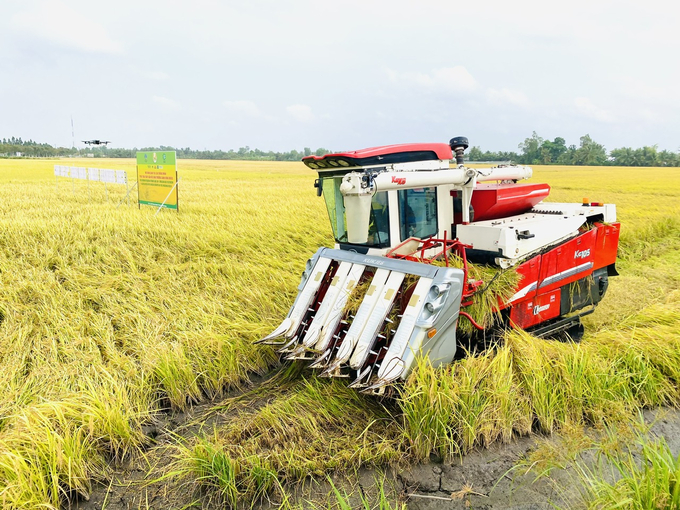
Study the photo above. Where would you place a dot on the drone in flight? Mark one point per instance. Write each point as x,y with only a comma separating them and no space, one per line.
96,142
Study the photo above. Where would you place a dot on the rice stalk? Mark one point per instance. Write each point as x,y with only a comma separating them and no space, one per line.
498,286
315,428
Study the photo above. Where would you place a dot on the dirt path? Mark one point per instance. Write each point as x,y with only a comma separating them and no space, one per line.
483,479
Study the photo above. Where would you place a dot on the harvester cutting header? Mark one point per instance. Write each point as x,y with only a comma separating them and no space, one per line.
431,255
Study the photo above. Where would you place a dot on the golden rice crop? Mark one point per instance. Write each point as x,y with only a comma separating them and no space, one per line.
109,315
315,427
498,286
646,475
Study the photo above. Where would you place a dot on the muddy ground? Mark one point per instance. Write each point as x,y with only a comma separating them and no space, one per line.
492,478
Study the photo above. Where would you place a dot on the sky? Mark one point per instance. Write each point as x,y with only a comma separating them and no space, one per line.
343,75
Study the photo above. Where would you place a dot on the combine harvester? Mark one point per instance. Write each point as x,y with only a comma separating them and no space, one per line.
399,215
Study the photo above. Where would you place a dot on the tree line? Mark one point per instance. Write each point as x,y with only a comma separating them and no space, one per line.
532,151
9,147
537,151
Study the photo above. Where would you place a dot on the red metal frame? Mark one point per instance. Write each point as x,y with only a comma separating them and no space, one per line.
447,246
441,150
472,321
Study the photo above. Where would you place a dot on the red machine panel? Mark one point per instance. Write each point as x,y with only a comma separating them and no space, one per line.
568,262
491,201
401,153
531,312
539,291
526,289
606,244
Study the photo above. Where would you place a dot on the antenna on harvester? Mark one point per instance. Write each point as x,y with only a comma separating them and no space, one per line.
73,135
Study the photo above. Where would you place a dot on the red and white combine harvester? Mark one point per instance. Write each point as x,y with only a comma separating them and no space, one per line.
399,214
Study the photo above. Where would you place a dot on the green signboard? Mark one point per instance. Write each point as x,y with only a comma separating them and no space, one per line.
157,179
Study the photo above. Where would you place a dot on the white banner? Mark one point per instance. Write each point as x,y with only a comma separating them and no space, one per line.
93,174
60,171
107,175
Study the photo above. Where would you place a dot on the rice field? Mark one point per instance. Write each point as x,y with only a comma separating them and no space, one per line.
111,317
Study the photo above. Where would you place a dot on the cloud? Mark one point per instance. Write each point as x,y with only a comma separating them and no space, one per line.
446,79
247,108
639,91
301,112
58,23
505,96
587,109
158,75
649,115
166,103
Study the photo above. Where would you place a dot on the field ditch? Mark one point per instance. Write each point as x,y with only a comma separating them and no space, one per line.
126,349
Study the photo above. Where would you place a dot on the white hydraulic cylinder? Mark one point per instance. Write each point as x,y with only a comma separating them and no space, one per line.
386,181
358,216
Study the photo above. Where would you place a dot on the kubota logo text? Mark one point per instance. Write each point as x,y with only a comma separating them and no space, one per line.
398,180
581,254
374,262
542,308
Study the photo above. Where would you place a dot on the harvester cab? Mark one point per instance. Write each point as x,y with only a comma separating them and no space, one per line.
420,242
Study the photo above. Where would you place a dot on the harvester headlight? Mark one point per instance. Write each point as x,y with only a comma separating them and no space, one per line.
437,290
343,162
429,307
333,162
321,164
312,165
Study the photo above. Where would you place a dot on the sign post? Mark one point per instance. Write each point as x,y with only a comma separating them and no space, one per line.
157,179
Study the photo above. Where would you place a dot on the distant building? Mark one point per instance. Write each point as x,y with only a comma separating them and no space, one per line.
19,154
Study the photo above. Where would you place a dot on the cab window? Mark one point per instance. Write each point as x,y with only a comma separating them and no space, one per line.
379,226
418,212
